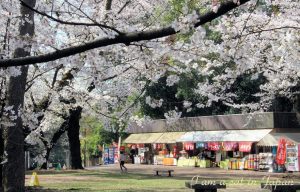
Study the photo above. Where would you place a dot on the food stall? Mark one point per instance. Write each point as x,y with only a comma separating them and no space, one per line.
166,148
230,149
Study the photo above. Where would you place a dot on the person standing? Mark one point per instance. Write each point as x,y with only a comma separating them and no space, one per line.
132,153
122,161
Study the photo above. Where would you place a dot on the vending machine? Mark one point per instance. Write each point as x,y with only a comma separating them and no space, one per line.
292,157
106,157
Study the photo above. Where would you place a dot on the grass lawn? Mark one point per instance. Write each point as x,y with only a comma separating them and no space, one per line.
95,180
88,181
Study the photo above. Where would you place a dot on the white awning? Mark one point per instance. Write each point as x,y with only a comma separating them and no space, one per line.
272,139
225,135
169,137
142,138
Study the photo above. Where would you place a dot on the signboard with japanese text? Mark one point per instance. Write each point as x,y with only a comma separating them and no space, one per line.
214,146
245,146
188,146
281,152
230,146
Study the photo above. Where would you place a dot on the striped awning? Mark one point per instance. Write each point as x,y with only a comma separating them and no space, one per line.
225,135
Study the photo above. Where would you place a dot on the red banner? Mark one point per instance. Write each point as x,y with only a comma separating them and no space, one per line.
230,146
188,146
281,152
214,146
245,146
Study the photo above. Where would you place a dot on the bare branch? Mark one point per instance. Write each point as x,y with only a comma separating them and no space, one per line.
125,38
55,75
123,7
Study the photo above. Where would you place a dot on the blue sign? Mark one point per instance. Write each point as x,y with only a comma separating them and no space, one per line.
200,145
111,155
106,156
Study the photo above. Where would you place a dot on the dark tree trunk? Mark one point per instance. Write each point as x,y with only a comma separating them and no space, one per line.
1,155
14,169
2,105
45,164
73,135
53,141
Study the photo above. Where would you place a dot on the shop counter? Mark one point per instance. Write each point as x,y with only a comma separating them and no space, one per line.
203,163
186,163
158,160
169,161
224,164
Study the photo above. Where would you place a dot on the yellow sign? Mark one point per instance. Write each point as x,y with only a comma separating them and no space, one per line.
34,181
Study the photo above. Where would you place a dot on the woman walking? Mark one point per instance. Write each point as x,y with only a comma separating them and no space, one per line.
122,161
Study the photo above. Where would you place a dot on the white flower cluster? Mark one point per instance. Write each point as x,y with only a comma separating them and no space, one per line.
154,103
172,79
172,116
186,22
140,121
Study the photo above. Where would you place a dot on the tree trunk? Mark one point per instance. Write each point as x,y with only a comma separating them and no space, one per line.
1,155
14,168
62,129
73,135
45,164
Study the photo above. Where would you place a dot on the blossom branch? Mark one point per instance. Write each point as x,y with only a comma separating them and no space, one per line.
125,38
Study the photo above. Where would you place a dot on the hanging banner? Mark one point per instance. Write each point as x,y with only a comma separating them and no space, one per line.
214,146
245,146
230,146
281,152
188,146
200,145
292,157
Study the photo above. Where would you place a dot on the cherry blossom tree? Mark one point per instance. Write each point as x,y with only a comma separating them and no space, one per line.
117,47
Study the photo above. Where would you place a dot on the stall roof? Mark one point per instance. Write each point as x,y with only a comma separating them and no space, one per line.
169,137
272,139
226,135
143,138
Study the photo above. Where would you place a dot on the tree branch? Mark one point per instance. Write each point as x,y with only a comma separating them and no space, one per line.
125,38
123,7
68,22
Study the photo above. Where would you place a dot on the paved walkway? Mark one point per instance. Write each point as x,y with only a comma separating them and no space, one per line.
241,179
